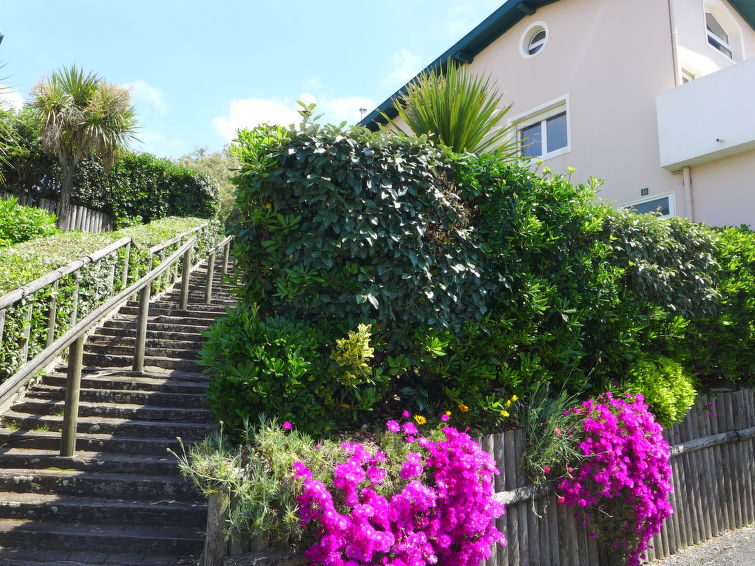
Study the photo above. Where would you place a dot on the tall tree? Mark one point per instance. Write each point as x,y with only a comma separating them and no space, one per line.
220,166
458,109
82,115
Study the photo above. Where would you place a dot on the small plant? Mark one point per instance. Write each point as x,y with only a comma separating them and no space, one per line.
21,223
668,392
352,356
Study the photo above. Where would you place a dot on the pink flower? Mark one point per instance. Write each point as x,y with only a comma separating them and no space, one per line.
393,427
406,414
444,418
547,469
410,428
557,431
560,498
287,426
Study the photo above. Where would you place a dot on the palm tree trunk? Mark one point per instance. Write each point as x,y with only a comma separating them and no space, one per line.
65,209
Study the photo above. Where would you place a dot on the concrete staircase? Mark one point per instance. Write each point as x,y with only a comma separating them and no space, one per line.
120,500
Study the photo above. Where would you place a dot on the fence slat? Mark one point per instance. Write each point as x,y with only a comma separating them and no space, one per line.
512,517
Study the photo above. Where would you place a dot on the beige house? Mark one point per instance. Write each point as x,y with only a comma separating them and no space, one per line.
657,97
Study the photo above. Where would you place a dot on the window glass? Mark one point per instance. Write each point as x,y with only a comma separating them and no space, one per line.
556,130
532,141
660,205
537,42
713,26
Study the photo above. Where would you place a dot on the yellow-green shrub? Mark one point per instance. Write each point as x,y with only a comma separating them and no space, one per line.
668,391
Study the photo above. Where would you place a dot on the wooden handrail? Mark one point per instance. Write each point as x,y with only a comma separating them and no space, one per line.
19,379
55,275
174,240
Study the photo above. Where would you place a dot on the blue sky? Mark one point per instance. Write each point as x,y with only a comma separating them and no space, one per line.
197,70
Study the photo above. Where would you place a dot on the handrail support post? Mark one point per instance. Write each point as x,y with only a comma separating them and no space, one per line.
141,328
73,387
210,275
226,252
185,272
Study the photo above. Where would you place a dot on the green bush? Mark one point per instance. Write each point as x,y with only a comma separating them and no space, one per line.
21,223
668,392
273,365
478,279
25,262
721,349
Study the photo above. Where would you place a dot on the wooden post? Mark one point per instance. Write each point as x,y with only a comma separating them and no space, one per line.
73,386
26,336
124,272
210,275
141,328
226,252
186,271
214,541
75,299
52,314
2,324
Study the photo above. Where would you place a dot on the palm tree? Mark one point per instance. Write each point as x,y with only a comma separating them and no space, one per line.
458,109
82,116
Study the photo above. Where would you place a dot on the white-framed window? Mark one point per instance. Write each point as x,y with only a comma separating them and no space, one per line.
717,36
533,40
544,131
662,205
687,76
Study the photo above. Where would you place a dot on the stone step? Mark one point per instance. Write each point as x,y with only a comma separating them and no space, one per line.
126,361
114,426
119,378
31,557
108,486
88,442
150,343
89,461
115,410
130,332
188,327
197,322
75,509
147,539
128,396
155,310
186,354
169,302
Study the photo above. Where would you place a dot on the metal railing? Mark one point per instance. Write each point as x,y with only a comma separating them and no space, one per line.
73,339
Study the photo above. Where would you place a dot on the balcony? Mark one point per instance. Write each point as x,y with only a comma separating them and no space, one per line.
709,118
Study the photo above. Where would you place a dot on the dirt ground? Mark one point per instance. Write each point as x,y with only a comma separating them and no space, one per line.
735,548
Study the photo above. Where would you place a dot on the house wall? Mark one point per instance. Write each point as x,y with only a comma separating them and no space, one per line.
723,191
611,58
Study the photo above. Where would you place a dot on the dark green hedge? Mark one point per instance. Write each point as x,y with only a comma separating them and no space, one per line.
139,188
478,280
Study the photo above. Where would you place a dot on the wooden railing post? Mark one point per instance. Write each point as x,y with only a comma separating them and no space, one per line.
226,252
52,314
185,272
124,273
141,328
73,386
26,336
210,275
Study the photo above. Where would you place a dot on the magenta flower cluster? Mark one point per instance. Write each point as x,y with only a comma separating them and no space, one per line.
442,511
626,473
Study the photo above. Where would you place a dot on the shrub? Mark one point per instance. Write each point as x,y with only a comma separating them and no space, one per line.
21,223
477,278
668,392
721,349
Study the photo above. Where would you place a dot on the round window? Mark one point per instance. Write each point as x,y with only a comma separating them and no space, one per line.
534,39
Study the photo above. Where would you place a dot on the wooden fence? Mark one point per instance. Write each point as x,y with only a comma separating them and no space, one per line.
82,218
713,463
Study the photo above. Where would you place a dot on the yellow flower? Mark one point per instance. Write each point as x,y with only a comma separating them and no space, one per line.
508,403
268,205
345,405
514,398
504,413
463,408
420,419
448,413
